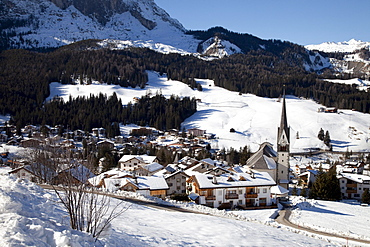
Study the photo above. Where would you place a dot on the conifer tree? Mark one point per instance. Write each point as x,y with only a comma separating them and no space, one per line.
366,196
321,135
326,186
327,139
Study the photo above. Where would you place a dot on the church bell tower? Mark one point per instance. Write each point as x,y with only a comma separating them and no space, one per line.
283,143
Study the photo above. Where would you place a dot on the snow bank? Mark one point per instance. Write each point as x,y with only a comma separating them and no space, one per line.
31,217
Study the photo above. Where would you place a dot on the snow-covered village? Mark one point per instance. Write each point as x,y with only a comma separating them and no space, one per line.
121,127
195,170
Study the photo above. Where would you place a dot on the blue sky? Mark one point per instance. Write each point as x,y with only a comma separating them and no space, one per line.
300,21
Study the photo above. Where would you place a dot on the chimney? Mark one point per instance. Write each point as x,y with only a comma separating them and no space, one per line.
214,180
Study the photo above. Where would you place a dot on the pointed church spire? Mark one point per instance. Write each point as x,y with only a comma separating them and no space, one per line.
283,130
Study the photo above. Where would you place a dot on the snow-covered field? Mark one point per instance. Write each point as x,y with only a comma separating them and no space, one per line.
255,119
31,216
348,219
361,84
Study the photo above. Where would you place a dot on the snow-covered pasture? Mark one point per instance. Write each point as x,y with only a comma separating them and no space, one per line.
255,119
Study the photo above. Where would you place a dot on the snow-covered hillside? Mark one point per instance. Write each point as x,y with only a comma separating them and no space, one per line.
346,46
255,119
362,85
218,48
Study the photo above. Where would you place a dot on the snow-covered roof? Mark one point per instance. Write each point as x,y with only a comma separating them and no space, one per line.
313,172
211,161
263,158
235,180
37,169
278,190
270,162
145,158
117,173
142,183
358,178
81,173
153,167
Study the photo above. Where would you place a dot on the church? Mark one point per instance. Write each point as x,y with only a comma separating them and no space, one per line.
276,163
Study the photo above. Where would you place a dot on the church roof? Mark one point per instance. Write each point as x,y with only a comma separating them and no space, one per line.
283,121
264,158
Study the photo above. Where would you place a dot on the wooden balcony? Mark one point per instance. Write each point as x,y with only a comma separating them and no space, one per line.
210,198
352,185
351,191
251,195
231,196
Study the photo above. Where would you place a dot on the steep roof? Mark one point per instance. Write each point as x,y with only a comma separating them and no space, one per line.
284,128
264,158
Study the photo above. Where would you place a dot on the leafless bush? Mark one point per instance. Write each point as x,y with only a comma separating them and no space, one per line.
88,210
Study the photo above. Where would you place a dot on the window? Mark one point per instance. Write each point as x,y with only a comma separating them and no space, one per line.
264,190
356,195
342,181
169,184
178,180
258,191
240,202
240,192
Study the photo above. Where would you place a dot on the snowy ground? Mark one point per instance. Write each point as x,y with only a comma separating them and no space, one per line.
31,216
343,218
255,119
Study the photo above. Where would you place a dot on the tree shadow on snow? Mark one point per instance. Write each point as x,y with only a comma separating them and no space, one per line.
325,211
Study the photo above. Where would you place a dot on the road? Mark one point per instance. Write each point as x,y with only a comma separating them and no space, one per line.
283,219
132,200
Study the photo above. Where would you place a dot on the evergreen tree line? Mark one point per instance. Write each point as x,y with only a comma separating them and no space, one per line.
101,111
25,75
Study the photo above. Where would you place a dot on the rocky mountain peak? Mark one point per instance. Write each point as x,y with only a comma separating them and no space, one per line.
103,10
52,23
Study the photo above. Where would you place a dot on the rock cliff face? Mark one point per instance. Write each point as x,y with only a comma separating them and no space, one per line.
52,23
103,10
